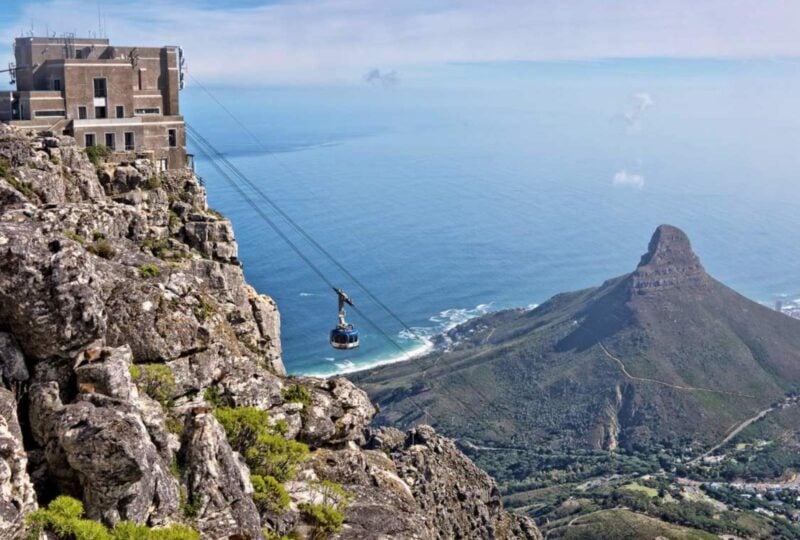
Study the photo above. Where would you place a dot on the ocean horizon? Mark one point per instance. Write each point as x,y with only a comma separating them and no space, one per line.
464,189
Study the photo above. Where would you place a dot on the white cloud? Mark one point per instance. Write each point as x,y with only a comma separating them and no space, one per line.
639,103
339,40
624,178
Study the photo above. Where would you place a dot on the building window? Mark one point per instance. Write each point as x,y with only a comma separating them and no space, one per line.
100,112
82,113
172,135
57,85
152,110
79,53
100,89
40,114
111,142
89,140
130,141
120,111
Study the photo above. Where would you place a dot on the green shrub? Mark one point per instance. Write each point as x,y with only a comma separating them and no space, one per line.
298,394
272,455
97,154
323,518
5,169
97,235
190,506
268,494
266,452
174,532
175,425
204,308
154,182
128,530
327,517
72,235
149,270
242,425
213,397
103,249
63,518
155,380
26,188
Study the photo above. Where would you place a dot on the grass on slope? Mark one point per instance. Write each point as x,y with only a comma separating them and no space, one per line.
622,524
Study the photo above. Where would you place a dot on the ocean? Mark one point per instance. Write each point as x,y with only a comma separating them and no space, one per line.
462,189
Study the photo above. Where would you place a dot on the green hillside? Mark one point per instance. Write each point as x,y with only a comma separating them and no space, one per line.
665,355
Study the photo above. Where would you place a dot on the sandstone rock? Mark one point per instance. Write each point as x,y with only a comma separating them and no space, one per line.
217,482
17,496
339,412
102,443
12,361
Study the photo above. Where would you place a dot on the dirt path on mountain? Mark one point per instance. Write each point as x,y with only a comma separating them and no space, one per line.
621,364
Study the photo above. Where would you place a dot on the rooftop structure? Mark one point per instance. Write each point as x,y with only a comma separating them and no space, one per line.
124,98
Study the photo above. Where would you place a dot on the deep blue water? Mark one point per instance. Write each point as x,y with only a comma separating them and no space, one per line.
467,188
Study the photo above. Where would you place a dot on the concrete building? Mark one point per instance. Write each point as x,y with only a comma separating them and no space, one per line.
124,98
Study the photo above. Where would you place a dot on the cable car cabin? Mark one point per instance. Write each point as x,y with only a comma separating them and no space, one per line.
344,338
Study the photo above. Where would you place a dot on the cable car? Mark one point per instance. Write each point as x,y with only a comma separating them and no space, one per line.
344,336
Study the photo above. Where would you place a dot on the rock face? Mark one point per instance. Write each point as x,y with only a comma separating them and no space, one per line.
125,322
668,263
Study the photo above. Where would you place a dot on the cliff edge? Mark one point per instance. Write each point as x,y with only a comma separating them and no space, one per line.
142,375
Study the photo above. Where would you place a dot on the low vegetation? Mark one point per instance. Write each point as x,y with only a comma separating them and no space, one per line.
155,380
63,519
154,182
297,393
149,270
326,517
75,237
102,248
97,154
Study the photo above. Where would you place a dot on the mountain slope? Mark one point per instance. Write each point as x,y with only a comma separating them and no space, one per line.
665,353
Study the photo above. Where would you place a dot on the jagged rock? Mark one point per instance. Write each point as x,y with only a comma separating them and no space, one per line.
458,499
218,483
669,262
12,361
211,236
339,412
46,294
101,266
17,496
107,372
102,444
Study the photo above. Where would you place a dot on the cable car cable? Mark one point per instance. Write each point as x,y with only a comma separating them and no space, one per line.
201,142
316,244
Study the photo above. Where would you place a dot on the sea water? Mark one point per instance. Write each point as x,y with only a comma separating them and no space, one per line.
468,188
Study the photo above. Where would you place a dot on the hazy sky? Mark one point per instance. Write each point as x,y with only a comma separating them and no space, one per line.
338,41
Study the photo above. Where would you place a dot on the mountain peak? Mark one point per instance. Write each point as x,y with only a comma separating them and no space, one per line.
668,263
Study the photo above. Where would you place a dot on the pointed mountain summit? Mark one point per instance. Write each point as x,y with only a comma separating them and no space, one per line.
665,353
668,263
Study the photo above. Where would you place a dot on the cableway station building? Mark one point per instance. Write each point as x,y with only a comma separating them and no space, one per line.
123,98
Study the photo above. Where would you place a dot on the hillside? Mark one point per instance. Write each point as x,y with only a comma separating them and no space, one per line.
143,393
665,355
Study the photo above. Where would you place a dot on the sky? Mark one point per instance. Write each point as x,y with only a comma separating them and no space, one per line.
324,42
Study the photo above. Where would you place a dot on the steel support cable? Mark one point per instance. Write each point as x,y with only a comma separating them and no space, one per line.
205,147
205,151
310,239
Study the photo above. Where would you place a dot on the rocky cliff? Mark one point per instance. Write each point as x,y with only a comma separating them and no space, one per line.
142,375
